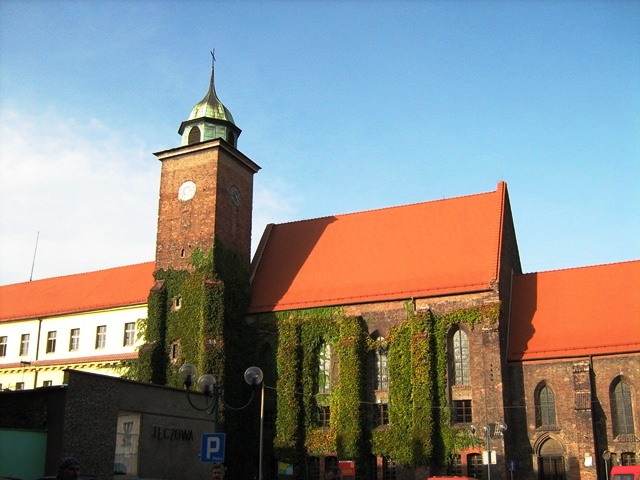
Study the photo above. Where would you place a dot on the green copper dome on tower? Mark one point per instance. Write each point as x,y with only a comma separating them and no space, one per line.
209,119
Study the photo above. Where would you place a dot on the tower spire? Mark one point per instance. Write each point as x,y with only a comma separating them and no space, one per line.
209,118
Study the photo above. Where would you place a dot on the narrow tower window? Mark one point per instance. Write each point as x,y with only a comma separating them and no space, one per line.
194,135
177,303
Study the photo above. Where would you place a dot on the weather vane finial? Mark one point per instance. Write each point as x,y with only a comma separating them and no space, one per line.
213,56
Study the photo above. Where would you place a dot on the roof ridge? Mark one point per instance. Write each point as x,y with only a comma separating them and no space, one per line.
581,267
380,209
501,191
57,277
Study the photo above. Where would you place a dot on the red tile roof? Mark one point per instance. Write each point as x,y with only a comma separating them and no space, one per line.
569,313
425,249
115,287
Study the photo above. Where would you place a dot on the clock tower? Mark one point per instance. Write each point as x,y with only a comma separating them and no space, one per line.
206,188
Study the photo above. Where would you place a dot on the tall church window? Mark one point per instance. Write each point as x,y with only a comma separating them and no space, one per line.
461,369
381,380
324,368
545,403
621,408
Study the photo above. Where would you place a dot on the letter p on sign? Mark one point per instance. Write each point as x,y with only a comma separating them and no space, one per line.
212,447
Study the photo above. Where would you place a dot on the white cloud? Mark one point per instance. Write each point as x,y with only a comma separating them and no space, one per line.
91,192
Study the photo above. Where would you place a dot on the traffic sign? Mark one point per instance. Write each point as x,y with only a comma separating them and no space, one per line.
212,447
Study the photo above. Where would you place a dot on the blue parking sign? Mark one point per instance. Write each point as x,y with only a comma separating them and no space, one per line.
212,447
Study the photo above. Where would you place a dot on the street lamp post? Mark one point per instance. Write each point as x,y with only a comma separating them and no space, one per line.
213,390
499,428
257,378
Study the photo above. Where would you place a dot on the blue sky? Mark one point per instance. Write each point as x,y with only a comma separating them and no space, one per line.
346,106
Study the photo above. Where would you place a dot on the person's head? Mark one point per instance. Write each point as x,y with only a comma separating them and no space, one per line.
217,471
69,469
333,473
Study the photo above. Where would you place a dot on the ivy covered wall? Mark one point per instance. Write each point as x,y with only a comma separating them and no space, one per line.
420,431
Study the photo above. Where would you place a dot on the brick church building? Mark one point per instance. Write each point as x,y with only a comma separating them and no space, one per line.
397,343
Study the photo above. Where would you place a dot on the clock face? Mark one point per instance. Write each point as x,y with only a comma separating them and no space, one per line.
235,196
186,191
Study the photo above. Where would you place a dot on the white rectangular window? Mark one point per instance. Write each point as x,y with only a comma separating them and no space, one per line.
51,342
24,344
19,385
3,346
129,334
101,336
47,383
74,339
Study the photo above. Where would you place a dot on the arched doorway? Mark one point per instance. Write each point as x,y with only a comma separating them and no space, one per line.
551,460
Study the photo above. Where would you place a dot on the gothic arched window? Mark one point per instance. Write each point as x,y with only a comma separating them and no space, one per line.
324,368
461,369
545,402
621,408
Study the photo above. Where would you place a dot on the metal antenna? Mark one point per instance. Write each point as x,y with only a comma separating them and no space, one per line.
34,256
